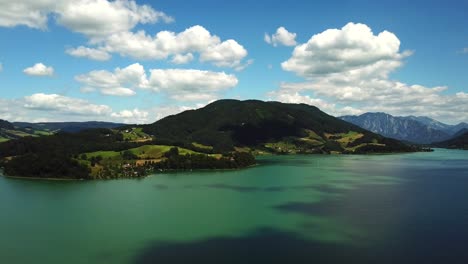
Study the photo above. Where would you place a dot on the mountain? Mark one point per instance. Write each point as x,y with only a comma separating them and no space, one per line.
432,123
17,130
449,129
460,132
6,125
71,127
421,130
223,134
10,131
270,126
460,141
457,128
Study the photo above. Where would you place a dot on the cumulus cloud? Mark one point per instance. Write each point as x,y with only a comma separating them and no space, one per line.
195,39
131,116
39,69
346,71
93,18
97,18
281,37
182,58
90,53
178,84
42,107
225,54
30,13
297,98
63,104
190,85
121,82
352,50
109,27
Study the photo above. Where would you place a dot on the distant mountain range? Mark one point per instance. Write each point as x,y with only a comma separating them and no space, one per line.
415,129
70,127
22,129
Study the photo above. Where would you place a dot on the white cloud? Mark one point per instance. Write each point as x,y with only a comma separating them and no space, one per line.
465,50
39,69
90,53
352,50
94,18
109,27
97,18
121,82
1,67
281,37
178,84
226,54
242,66
195,39
190,85
296,98
30,13
182,58
347,72
55,108
63,104
134,116
167,110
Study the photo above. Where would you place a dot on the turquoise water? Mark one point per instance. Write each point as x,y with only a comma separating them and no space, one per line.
405,208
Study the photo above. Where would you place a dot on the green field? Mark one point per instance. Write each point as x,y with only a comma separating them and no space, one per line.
43,133
349,137
18,133
135,134
143,152
201,146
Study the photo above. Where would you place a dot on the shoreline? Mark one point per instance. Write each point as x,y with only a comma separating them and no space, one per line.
39,178
170,171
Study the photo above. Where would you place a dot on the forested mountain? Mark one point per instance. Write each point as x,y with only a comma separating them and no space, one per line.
226,124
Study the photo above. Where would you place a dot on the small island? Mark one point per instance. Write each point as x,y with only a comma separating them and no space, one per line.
226,134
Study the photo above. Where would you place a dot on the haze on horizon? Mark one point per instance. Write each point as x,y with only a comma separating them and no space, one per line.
138,61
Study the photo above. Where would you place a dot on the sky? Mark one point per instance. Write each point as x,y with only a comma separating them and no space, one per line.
138,61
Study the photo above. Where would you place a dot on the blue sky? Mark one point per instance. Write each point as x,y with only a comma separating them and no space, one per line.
137,61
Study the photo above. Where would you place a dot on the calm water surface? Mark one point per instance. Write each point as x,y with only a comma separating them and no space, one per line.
409,208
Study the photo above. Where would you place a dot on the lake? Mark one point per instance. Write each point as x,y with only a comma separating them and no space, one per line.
403,208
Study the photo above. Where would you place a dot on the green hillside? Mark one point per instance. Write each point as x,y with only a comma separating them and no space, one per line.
268,126
9,131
